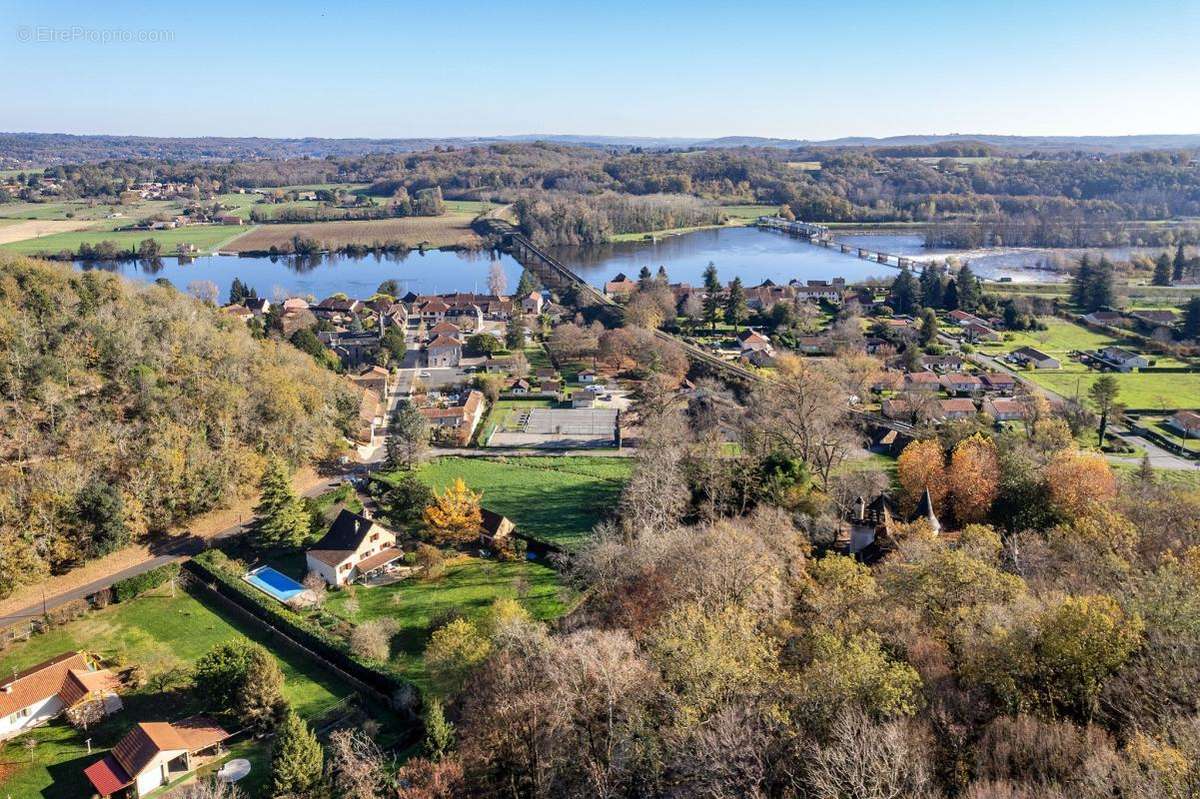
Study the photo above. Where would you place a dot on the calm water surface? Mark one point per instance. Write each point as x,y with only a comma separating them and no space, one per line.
748,253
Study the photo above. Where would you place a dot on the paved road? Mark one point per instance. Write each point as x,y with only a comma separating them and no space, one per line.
178,549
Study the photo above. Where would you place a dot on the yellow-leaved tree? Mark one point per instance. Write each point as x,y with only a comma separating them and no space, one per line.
455,517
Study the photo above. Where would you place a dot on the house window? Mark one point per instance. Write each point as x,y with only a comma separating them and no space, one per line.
374,536
344,567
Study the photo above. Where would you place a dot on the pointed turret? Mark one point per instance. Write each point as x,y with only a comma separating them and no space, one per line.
925,509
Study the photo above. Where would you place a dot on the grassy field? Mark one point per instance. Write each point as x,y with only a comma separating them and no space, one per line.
469,587
89,210
554,499
164,634
1137,389
450,230
1144,390
206,238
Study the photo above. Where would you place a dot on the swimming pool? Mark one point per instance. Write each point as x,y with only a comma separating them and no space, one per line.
274,583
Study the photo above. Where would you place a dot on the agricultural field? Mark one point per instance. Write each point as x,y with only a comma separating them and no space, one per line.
469,587
89,210
554,499
164,632
450,230
206,238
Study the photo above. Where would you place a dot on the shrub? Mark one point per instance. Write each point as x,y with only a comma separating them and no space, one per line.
130,587
373,639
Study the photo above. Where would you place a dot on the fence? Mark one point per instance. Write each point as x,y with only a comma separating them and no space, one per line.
398,694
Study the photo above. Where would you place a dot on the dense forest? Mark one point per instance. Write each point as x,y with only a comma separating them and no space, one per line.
1035,199
128,408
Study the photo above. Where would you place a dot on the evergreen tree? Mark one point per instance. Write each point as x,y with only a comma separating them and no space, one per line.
237,292
1103,292
969,290
661,278
1103,394
932,286
408,437
439,733
1080,282
929,327
283,520
297,760
1179,264
905,294
528,283
645,279
1191,319
736,310
514,332
950,295
1162,270
712,295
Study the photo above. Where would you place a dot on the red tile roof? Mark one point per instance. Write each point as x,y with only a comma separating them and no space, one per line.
41,682
107,776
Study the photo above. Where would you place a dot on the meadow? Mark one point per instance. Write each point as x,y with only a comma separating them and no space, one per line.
553,499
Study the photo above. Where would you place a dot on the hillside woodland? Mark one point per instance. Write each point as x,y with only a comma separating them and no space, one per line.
127,408
1037,199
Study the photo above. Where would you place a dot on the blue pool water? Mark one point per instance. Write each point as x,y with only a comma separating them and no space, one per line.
274,583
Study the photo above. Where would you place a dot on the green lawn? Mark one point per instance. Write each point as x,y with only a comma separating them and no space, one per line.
554,499
164,635
470,586
84,209
1059,338
749,212
205,237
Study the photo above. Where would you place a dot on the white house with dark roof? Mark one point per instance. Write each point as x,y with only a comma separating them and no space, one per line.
40,693
353,547
444,351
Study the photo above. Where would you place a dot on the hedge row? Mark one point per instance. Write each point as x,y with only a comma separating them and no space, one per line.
130,587
379,676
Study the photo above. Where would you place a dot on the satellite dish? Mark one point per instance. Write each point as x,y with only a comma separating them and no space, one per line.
234,770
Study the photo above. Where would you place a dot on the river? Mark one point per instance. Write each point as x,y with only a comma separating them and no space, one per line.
748,253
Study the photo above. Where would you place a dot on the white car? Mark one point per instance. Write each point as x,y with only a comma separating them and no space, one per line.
424,374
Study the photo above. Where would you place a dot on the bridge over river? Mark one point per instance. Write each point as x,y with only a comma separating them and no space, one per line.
823,237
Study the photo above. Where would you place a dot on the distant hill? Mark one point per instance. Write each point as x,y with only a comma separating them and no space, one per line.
19,150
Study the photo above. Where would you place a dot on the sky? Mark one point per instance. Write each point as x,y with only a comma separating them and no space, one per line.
648,68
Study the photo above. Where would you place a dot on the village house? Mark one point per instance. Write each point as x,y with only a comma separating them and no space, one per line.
460,420
352,349
34,696
1186,423
583,399
942,363
998,382
352,548
375,378
467,316
1153,320
337,307
518,386
961,384
922,381
897,409
432,311
1105,318
586,376
153,754
1004,409
371,417
1121,359
957,408
964,318
1036,358
978,332
620,286
443,328
444,351
238,311
753,341
812,345
532,303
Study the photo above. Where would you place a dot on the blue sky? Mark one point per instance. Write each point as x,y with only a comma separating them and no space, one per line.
655,68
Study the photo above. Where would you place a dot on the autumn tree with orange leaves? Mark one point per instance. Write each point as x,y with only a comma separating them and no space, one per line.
455,515
974,478
1075,480
922,465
